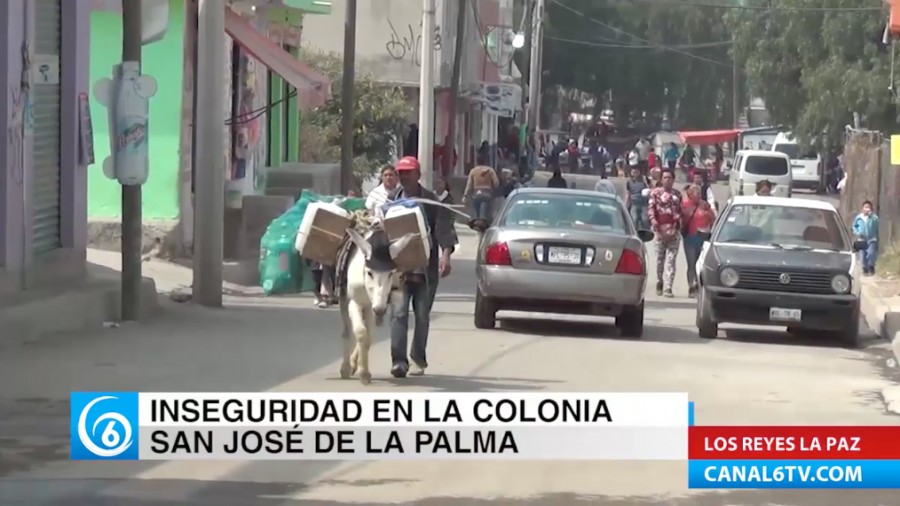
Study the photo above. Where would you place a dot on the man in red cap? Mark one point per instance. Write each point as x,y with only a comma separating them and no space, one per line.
419,287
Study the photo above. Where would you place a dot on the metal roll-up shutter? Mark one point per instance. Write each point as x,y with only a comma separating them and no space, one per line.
46,169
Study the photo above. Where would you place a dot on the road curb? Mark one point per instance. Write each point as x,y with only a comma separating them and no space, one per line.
884,320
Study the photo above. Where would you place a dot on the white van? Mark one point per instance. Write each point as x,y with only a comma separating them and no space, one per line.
751,166
806,167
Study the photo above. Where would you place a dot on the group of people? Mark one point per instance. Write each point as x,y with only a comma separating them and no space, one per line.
679,221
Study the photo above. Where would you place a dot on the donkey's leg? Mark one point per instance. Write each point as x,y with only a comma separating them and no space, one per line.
347,340
363,345
360,320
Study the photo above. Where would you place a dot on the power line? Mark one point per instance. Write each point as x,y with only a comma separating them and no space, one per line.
758,7
640,39
640,46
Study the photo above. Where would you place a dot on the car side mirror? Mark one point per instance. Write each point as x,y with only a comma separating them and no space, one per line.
645,235
704,234
860,245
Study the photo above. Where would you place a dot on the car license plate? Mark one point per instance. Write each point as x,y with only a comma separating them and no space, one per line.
567,256
781,314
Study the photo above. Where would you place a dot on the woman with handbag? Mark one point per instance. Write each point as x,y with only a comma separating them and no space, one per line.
697,216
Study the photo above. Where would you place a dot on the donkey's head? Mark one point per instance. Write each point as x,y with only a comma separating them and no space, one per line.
381,274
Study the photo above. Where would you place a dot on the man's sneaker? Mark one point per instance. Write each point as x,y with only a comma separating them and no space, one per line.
416,370
323,304
399,371
668,294
659,288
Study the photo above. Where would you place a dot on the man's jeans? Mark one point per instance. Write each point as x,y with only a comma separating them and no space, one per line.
481,205
639,216
421,296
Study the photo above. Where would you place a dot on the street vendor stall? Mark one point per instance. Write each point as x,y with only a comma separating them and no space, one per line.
708,138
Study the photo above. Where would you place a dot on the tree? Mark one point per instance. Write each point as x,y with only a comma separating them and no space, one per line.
654,58
380,119
816,68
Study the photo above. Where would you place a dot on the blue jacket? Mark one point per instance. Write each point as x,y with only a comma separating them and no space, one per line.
866,229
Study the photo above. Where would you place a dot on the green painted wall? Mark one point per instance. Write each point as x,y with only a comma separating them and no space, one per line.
162,60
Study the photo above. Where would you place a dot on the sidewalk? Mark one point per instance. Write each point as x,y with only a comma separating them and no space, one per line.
880,306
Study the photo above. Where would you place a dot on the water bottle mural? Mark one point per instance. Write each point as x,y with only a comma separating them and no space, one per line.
127,96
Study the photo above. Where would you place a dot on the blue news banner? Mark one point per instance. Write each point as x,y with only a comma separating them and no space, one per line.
795,474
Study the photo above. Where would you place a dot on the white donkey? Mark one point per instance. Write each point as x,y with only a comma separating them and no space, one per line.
371,276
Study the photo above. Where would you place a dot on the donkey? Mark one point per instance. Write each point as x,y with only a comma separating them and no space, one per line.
371,277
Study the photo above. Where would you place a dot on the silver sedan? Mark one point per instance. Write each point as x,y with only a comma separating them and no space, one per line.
563,251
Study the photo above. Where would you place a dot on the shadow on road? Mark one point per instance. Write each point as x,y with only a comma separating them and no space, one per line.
781,337
448,383
243,493
598,330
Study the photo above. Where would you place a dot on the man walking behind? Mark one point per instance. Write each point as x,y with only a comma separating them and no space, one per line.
664,211
419,287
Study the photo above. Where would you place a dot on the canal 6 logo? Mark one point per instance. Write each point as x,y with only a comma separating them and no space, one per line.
103,426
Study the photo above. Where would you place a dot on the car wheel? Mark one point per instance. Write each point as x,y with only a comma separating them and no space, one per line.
485,312
631,321
849,337
706,328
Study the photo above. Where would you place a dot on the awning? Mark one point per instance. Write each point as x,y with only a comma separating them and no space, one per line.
313,88
702,137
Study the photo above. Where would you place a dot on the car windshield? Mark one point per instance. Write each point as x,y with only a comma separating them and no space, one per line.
766,166
782,227
565,211
793,151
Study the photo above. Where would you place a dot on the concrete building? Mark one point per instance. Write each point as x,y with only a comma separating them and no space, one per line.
257,52
388,47
43,178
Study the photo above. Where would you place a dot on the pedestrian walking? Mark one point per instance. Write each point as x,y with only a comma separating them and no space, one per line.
637,196
664,211
865,228
698,216
419,287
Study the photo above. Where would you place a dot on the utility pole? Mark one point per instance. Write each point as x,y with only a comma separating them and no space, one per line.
525,72
132,226
426,96
735,85
209,215
450,144
534,72
347,101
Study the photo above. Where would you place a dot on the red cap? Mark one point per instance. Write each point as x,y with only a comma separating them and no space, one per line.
408,163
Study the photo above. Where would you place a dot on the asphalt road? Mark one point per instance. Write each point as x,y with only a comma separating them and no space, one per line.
749,376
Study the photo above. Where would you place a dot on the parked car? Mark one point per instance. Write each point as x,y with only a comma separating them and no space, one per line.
553,250
780,262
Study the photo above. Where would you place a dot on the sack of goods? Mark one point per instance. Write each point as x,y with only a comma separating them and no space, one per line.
406,217
281,270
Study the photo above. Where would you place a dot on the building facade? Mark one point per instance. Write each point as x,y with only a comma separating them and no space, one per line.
389,45
43,176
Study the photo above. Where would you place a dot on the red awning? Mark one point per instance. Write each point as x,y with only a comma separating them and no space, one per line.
708,136
313,88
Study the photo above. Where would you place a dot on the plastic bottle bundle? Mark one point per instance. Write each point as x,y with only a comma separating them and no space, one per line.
281,270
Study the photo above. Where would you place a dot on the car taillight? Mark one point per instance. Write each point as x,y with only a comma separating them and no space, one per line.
498,254
630,263
740,187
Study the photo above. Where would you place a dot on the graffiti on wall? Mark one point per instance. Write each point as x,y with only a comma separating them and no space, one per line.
405,43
